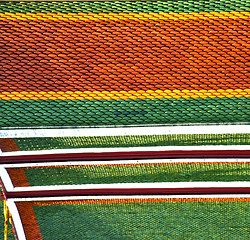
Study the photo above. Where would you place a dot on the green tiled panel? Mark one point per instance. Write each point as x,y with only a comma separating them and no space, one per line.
46,143
138,173
123,112
125,6
158,221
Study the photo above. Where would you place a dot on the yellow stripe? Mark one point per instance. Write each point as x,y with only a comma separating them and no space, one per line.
122,16
221,93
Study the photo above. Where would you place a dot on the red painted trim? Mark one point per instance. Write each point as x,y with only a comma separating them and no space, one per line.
14,228
127,155
129,191
3,193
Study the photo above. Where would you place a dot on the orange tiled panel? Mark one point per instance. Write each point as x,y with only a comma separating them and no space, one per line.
118,63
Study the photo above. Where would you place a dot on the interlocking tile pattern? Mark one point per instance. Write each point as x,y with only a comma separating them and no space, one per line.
119,63
157,218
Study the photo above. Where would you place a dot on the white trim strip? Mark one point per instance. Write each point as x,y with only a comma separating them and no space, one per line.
6,179
129,149
129,197
135,186
125,131
117,162
16,219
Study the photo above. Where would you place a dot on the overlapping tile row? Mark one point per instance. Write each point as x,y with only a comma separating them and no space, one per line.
48,143
173,218
124,6
118,63
129,173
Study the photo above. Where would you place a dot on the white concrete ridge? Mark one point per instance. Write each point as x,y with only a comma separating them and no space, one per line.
117,162
129,149
124,131
129,197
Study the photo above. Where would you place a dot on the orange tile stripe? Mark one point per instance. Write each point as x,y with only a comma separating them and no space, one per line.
8,145
107,201
168,54
29,221
18,177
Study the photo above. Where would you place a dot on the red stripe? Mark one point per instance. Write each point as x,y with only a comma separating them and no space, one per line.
129,191
126,155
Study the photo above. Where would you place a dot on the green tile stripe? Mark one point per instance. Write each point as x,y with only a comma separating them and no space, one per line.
122,112
124,6
153,220
46,143
138,173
